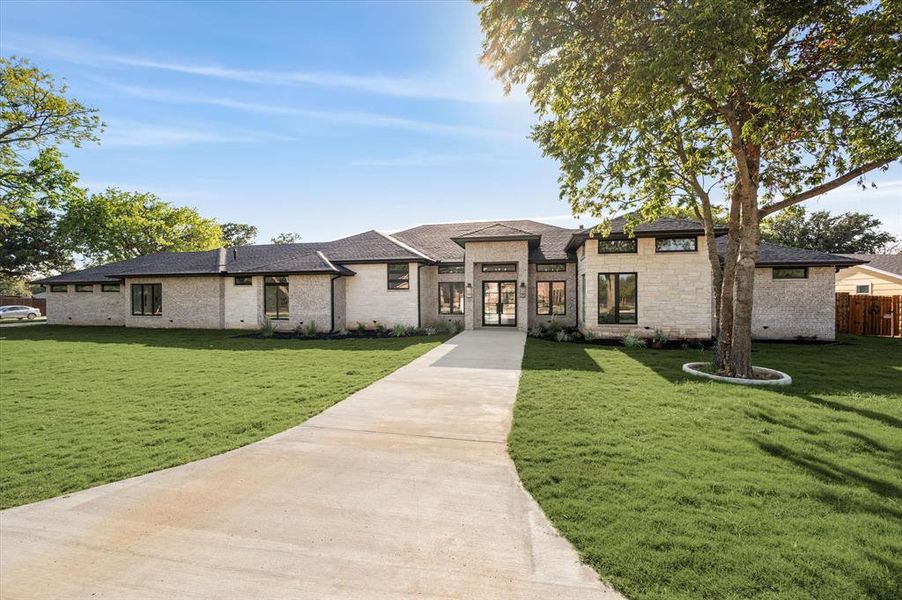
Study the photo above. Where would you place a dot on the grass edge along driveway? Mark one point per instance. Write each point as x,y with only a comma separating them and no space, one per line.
673,487
83,406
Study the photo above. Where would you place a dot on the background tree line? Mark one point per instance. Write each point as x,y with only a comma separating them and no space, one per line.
47,220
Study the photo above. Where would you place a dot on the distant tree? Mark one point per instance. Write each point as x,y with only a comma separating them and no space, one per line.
36,116
238,234
848,233
32,246
286,238
117,225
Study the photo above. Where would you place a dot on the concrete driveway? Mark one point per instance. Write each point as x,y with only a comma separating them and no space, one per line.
403,489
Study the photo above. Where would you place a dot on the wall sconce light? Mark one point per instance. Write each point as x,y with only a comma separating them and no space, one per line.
522,289
469,291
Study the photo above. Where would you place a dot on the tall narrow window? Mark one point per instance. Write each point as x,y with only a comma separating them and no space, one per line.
617,298
551,298
398,276
275,297
147,299
451,298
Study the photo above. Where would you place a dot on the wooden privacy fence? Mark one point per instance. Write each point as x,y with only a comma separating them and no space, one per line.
862,314
40,303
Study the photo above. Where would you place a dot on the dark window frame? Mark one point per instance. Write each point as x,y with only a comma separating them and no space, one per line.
245,280
80,288
866,286
451,269
452,284
483,266
551,268
277,282
693,238
551,312
616,291
404,283
632,250
55,288
773,273
104,287
156,293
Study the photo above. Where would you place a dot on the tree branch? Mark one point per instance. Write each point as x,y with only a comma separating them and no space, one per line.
823,188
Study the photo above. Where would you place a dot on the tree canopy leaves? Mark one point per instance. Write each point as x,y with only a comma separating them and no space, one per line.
116,225
238,234
848,233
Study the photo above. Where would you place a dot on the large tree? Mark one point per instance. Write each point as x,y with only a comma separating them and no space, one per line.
649,103
36,117
117,225
848,233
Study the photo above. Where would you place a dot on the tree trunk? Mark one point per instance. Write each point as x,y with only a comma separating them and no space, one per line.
725,316
740,362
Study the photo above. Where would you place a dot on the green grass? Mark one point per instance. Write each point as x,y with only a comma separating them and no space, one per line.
674,487
85,406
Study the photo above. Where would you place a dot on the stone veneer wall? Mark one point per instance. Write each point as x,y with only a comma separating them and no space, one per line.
495,252
429,280
791,308
569,276
368,298
674,290
188,302
241,307
87,308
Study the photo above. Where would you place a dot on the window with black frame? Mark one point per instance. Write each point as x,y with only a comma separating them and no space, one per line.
147,299
499,268
617,298
275,297
451,298
398,276
551,267
676,244
627,246
551,298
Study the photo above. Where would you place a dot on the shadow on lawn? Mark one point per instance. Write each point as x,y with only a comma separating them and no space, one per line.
860,366
201,339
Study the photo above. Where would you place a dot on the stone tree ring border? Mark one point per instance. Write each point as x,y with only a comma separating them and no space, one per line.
694,368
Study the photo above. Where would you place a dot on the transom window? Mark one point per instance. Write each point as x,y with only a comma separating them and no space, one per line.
147,299
84,287
617,298
790,273
451,298
551,298
551,267
499,267
676,244
398,276
449,269
59,288
244,280
275,297
617,246
109,287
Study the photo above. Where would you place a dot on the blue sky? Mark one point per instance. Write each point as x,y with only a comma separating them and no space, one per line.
319,118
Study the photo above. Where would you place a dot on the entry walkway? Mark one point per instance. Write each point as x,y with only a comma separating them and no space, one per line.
404,489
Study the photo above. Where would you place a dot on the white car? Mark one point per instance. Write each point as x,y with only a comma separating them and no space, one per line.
19,312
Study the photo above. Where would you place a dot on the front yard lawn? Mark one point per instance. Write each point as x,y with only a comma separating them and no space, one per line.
673,487
85,406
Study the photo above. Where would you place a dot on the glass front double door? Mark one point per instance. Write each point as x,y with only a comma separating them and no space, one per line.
499,303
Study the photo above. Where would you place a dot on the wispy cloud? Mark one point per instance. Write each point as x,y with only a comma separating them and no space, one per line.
425,160
415,86
363,118
123,132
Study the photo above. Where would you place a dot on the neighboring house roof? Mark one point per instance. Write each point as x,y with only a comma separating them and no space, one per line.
774,255
890,264
437,240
